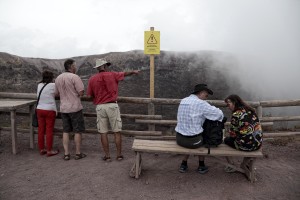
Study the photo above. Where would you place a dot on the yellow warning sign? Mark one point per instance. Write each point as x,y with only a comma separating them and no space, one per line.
152,42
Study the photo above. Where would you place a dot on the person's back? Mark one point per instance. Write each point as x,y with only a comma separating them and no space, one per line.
192,112
197,110
70,88
103,89
245,129
46,112
69,85
47,99
104,86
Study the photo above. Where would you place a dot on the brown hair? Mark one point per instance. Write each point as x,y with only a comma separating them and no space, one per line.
68,63
238,102
47,77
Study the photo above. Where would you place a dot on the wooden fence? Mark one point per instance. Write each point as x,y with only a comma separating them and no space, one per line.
152,120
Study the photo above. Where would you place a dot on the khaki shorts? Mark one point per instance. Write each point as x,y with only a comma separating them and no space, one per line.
108,114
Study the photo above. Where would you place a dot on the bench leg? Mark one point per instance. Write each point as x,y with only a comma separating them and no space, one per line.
229,160
137,166
248,166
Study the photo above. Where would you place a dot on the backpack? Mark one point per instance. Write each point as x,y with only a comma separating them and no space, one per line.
213,133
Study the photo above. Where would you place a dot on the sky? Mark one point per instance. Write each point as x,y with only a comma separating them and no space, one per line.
264,35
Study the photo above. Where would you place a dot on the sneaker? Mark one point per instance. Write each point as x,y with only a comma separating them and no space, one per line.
183,168
202,169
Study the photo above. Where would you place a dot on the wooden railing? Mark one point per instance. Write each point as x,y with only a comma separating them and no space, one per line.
151,119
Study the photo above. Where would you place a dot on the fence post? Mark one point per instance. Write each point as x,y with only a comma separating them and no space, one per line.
151,111
259,112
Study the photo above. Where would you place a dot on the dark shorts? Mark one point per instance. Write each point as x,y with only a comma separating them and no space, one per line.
191,142
73,122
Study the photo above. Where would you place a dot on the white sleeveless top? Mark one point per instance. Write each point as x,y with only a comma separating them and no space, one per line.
47,99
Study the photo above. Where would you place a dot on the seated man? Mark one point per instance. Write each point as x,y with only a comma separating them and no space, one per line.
192,112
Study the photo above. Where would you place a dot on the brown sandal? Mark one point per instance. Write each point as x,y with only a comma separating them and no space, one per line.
119,158
79,156
106,158
67,157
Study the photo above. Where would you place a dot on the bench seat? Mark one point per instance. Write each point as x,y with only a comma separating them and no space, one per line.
170,147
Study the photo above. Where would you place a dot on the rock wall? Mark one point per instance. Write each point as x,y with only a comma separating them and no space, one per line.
176,73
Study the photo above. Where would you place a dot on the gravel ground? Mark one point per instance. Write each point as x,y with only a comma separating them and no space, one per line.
28,175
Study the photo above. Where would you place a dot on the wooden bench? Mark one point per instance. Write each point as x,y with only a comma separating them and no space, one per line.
170,147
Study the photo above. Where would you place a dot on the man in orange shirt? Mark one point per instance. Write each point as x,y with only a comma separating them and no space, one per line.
103,88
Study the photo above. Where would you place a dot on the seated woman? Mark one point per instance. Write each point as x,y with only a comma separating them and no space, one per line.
245,129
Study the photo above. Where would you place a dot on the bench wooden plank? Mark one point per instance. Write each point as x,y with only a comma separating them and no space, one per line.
169,146
174,122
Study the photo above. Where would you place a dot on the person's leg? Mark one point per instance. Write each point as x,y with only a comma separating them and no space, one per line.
118,141
50,121
183,167
114,117
77,121
67,128
66,143
185,158
41,131
79,154
77,139
105,145
202,169
188,142
201,159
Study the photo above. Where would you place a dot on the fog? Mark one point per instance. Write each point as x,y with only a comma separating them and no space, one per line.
262,35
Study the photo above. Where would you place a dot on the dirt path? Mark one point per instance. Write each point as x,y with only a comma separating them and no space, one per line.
28,175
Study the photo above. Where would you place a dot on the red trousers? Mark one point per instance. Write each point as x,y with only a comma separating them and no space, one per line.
46,119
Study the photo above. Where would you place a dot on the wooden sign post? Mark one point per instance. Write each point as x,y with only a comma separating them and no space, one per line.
152,47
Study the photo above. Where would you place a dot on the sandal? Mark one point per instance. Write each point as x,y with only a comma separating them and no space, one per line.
119,158
229,169
79,156
67,157
43,152
106,158
52,153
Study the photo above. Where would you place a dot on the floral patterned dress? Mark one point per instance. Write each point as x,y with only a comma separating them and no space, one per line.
246,130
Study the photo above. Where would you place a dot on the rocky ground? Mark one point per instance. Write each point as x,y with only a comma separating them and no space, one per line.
28,175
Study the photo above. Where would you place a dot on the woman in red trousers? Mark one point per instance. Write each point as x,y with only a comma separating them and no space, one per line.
46,113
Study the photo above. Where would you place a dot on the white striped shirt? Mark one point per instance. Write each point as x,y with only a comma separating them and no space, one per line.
192,113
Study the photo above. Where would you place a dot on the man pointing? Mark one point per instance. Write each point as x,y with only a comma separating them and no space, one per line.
103,88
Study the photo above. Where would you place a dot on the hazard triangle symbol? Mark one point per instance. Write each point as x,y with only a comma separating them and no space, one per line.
151,40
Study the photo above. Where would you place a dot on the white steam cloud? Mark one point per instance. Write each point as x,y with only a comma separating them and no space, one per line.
262,34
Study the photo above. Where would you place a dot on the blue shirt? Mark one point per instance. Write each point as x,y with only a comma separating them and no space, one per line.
192,113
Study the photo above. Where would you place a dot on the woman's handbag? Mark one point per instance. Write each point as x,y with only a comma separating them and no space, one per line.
34,117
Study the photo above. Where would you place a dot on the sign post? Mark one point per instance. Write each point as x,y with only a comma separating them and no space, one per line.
152,47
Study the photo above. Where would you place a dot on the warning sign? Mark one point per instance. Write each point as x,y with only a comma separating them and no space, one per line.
152,42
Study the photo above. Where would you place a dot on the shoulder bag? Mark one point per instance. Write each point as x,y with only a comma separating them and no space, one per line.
34,117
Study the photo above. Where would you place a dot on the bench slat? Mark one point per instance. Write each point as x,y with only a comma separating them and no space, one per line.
168,146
